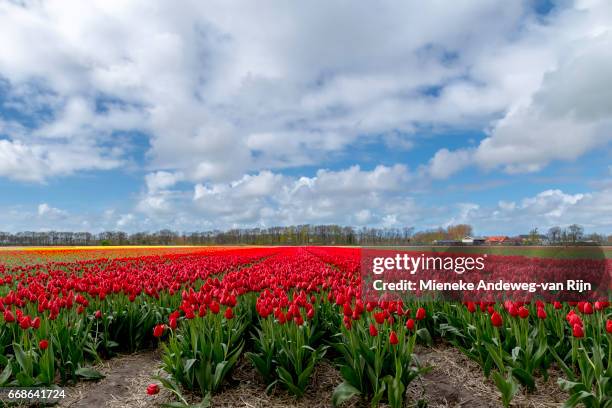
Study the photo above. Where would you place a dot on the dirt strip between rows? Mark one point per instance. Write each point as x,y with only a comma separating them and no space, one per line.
454,381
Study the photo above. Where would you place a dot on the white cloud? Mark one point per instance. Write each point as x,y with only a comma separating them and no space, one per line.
225,89
445,163
161,180
593,210
563,116
229,94
125,220
268,198
50,213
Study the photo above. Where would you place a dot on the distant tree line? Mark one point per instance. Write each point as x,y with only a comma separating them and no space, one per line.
291,235
575,233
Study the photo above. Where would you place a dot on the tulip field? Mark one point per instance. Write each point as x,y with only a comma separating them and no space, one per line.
283,310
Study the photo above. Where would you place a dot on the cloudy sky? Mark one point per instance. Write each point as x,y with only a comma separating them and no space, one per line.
143,115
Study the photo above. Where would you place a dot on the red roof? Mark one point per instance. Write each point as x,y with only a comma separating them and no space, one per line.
497,238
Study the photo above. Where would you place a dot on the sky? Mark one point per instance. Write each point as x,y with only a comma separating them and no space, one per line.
144,115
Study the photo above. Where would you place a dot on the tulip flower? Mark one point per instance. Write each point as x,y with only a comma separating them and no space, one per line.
410,324
496,319
609,326
393,338
541,313
513,310
8,316
152,389
373,330
523,312
25,323
348,323
43,344
229,313
577,331
420,313
158,330
379,317
575,320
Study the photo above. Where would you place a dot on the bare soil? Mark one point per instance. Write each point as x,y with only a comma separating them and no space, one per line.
124,385
454,381
457,381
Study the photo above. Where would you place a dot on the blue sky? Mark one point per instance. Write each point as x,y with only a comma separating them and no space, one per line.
140,116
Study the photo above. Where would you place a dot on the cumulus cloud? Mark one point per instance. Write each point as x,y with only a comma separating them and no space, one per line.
228,96
52,213
224,89
161,180
546,209
267,198
125,220
567,114
445,163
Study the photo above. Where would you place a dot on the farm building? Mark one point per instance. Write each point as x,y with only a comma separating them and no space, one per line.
468,240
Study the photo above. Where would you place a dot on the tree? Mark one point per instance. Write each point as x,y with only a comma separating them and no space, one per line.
554,235
459,231
575,233
534,237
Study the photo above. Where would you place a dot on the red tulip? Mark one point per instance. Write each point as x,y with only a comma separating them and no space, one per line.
575,319
8,316
496,319
393,338
523,312
158,330
36,322
25,323
513,310
373,330
43,345
410,324
609,326
577,331
229,313
420,313
348,323
172,322
152,389
379,317
587,309
541,313
98,314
